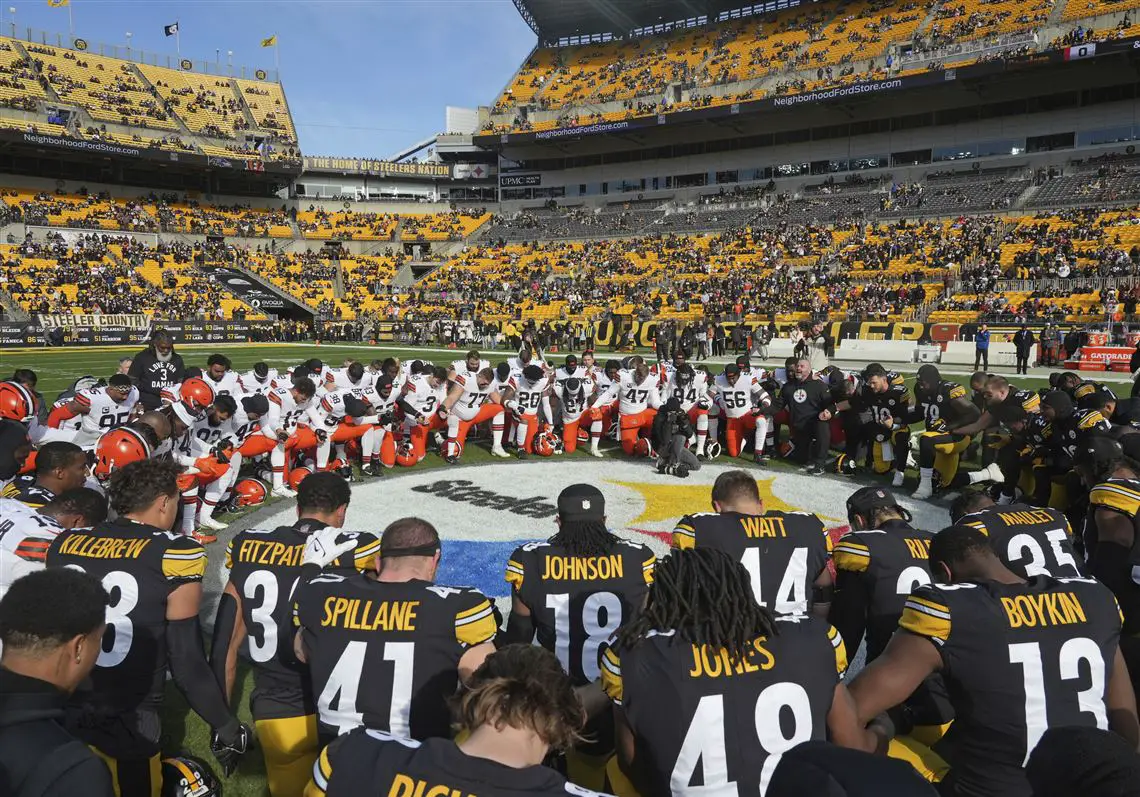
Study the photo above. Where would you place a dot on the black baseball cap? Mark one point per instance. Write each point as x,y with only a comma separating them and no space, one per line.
581,502
866,499
732,369
255,403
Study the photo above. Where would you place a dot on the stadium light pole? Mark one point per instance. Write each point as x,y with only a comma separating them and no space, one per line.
129,35
12,14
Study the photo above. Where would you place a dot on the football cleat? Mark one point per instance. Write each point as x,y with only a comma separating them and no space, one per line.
213,524
499,451
284,492
596,453
898,479
204,538
924,491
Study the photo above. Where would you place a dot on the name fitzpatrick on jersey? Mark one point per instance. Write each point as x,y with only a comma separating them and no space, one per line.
1049,608
91,547
589,568
466,492
357,614
403,786
710,663
262,552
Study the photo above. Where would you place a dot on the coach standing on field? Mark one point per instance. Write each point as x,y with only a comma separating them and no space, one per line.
810,406
156,367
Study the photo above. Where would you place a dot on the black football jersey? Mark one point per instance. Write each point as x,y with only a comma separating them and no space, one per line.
139,566
1119,495
702,719
1018,659
368,763
783,552
938,405
890,406
384,655
1029,540
33,495
877,570
577,603
1070,432
264,568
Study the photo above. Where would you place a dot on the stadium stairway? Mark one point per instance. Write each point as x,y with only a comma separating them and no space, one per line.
12,308
175,117
1057,13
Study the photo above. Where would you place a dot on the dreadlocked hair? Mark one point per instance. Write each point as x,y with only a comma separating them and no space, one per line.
584,538
705,596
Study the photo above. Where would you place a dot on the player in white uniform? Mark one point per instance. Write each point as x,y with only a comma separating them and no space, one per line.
101,408
377,445
207,451
743,403
218,375
353,377
638,401
261,379
690,387
527,356
470,401
421,399
287,408
605,404
526,394
338,417
573,396
468,367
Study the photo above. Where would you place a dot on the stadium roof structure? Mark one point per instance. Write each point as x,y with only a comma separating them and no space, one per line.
572,21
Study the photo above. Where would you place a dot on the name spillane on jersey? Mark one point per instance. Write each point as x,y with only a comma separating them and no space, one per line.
264,566
1123,496
1029,540
384,655
783,552
396,767
139,566
885,565
578,602
938,405
1018,659
704,719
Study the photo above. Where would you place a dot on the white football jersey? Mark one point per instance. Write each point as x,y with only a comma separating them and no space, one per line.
228,385
103,414
529,394
25,535
250,384
284,412
690,394
424,398
738,400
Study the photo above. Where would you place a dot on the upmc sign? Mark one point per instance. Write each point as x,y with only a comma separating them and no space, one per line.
519,180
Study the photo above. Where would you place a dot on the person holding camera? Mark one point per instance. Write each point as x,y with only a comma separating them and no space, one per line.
672,431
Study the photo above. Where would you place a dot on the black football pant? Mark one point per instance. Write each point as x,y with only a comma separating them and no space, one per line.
1009,460
812,441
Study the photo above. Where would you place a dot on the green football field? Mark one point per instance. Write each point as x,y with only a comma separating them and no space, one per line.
58,368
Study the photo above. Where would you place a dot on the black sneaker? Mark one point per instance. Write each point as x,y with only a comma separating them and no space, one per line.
761,459
521,454
681,471
452,460
815,470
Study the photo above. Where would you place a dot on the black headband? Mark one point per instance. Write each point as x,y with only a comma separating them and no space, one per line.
430,549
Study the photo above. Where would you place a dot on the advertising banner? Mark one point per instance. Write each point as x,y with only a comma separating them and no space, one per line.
252,292
15,334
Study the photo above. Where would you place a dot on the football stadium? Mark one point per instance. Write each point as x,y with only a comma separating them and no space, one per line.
733,352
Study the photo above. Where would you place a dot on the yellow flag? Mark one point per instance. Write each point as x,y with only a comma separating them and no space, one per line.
270,42
58,3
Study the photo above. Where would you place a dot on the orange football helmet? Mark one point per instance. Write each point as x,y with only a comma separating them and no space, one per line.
17,403
251,492
298,475
544,443
643,448
196,393
405,454
117,448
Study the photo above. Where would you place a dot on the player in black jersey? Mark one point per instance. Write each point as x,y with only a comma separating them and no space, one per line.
878,564
886,397
518,706
1018,657
264,565
711,688
576,589
785,553
941,406
154,579
388,653
1001,398
60,466
1054,479
1029,540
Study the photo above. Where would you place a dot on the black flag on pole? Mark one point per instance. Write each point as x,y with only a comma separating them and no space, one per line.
170,30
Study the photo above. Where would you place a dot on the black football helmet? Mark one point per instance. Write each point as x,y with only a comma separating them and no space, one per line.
187,776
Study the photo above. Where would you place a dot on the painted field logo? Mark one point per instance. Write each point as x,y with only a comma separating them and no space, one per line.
466,492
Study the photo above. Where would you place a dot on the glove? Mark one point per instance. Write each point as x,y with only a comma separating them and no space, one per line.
387,419
322,548
222,454
703,403
229,744
757,412
321,435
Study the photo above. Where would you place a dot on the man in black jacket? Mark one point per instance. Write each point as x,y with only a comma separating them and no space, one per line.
156,367
1023,341
51,625
809,403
